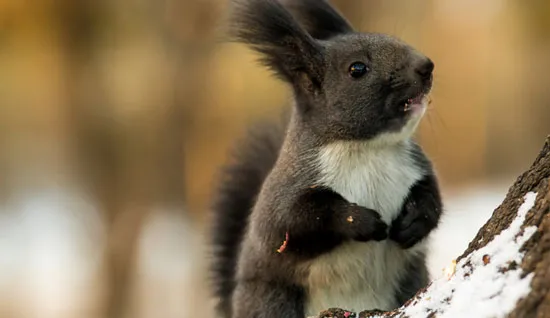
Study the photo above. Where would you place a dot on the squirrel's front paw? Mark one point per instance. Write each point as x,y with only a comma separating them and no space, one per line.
365,224
411,226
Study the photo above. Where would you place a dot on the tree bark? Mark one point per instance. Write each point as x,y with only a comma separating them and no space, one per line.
536,250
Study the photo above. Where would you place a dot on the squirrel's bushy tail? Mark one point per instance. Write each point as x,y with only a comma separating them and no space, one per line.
237,187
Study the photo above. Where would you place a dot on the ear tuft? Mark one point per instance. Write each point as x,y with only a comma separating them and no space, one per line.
286,48
321,20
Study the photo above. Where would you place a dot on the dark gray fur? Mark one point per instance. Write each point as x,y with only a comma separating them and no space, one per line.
267,191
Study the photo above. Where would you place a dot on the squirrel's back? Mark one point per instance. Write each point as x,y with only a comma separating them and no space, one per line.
238,186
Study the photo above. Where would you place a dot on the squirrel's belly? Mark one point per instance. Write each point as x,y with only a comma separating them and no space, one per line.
356,276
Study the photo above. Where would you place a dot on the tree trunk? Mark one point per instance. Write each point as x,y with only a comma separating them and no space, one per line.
505,271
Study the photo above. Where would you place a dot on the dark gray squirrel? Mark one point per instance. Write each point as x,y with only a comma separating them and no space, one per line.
332,206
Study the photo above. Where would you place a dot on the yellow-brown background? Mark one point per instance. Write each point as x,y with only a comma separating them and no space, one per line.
134,104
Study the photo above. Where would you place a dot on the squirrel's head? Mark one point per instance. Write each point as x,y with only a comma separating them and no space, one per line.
348,85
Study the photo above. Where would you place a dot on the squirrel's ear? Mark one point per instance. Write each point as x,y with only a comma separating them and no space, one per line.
320,19
267,27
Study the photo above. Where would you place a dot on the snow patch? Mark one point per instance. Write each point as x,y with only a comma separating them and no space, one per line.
48,252
484,284
465,213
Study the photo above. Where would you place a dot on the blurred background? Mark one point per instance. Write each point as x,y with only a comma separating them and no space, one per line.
115,115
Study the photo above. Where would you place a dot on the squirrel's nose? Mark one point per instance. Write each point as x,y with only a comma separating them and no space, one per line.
425,68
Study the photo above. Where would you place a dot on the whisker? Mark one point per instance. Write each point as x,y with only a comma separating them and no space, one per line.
432,132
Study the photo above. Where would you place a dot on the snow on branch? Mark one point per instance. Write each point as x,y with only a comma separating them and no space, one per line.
487,283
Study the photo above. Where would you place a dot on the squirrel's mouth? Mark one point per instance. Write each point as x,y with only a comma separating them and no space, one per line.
418,100
414,103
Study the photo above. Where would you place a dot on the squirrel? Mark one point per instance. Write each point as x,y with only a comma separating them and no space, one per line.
332,206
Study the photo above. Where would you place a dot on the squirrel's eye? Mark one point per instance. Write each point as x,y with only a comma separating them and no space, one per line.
357,69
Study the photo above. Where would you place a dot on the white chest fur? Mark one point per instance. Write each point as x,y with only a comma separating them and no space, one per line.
358,276
376,178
